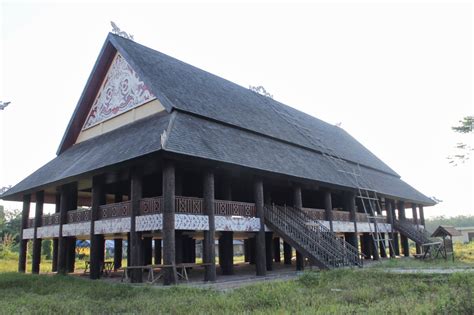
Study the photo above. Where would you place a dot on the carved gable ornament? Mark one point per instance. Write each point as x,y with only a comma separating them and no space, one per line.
121,91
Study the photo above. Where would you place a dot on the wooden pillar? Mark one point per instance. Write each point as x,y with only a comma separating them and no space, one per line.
382,244
147,250
98,199
367,241
350,205
328,208
260,252
54,263
35,268
252,245
178,247
209,249
422,215
169,255
68,201
298,204
269,250
129,254
416,222
403,238
389,209
118,250
375,243
23,242
226,252
276,249
136,244
246,250
71,241
287,253
157,252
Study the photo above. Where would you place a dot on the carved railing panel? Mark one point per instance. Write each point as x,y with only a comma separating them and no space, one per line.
361,217
341,216
30,223
115,210
234,208
151,205
190,205
51,219
315,214
79,215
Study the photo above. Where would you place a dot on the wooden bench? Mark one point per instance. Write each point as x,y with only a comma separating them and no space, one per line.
106,267
181,270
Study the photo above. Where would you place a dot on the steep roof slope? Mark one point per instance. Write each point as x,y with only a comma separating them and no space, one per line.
187,88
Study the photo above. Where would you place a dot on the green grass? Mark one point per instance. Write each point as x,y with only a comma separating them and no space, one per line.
340,291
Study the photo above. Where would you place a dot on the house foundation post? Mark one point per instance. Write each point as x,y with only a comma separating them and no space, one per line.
35,268
23,242
403,238
298,204
97,240
328,208
260,252
209,249
169,255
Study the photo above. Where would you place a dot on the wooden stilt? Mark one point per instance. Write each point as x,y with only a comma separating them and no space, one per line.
328,208
252,250
276,249
54,263
299,261
98,199
169,254
403,238
68,201
298,204
35,267
23,242
246,250
226,252
209,236
157,251
179,246
287,253
136,249
118,249
147,250
260,257
269,250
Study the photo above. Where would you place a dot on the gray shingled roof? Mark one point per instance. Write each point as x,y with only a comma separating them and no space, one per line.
218,120
199,137
182,86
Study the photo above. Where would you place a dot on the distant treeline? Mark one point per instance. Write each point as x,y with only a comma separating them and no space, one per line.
457,221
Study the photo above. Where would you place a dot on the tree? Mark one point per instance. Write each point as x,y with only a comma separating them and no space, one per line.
463,149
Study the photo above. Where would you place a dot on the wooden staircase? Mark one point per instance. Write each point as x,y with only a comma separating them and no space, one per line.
315,241
411,231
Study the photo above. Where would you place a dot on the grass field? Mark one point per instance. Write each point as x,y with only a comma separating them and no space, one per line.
340,291
358,291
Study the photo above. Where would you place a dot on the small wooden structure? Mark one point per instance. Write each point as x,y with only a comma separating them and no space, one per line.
447,248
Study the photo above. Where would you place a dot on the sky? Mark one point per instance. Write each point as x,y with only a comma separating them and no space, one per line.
395,75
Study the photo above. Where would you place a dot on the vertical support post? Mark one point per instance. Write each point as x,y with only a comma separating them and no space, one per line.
422,215
269,250
68,201
298,204
382,243
35,268
98,199
287,253
118,251
136,244
350,204
246,250
54,264
24,224
416,222
169,254
276,249
226,252
129,254
71,241
147,250
328,208
390,220
157,252
209,236
403,238
260,257
252,245
179,246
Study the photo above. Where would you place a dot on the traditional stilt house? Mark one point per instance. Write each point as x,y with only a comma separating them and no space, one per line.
162,154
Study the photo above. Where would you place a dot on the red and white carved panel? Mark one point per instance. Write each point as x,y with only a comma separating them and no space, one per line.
122,90
182,222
